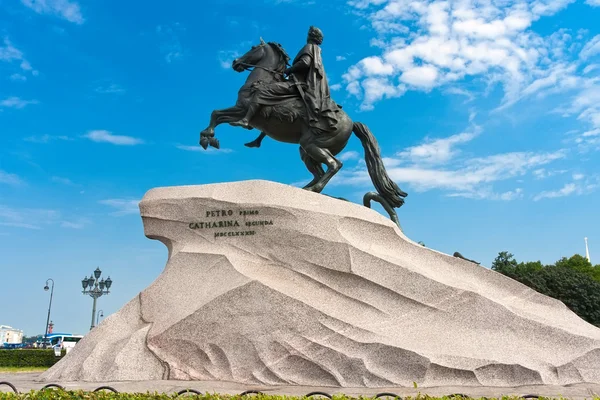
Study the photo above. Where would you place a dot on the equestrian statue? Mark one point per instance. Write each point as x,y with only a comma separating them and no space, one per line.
292,104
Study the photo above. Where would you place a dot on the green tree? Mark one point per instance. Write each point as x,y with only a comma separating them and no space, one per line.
528,273
574,281
580,264
577,290
505,263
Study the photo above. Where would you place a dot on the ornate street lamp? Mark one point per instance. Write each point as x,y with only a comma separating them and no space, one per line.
49,307
94,287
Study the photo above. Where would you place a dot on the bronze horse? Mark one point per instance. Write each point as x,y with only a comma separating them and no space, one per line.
285,122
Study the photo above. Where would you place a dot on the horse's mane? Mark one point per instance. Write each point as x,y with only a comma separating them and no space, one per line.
282,53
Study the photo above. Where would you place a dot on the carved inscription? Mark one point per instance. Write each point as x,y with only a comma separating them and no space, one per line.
227,223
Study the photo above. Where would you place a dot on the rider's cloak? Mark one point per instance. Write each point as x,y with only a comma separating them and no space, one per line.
321,108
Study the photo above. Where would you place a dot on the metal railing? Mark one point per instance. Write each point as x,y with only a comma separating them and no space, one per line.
188,392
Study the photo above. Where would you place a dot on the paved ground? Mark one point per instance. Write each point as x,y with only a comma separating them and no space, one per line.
27,381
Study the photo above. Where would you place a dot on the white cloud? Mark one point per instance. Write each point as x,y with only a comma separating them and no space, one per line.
512,195
593,132
64,9
542,173
16,102
435,165
103,136
593,3
20,225
375,66
9,53
110,89
590,68
451,41
199,149
557,78
18,78
62,181
46,138
566,190
37,218
170,44
581,185
487,193
422,77
28,218
122,206
438,151
461,92
349,155
226,58
340,58
78,224
591,48
586,106
468,177
10,179
335,87
376,89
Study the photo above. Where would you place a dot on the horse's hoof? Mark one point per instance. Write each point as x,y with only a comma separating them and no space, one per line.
214,142
204,142
252,144
207,133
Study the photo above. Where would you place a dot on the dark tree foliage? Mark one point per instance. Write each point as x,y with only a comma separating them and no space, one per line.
575,289
505,263
580,264
574,281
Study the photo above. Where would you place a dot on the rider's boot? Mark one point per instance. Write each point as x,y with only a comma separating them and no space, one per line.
245,122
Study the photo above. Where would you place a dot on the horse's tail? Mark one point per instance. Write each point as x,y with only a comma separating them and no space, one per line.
386,188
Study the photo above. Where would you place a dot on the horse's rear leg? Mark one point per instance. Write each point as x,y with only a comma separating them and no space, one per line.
314,167
322,156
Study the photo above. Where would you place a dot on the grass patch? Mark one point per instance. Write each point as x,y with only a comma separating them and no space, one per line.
53,394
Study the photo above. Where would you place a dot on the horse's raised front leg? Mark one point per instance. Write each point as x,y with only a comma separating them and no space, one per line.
218,117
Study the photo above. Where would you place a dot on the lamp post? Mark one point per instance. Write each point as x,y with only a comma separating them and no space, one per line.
49,307
100,314
95,288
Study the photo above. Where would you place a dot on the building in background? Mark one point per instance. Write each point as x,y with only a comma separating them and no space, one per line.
10,335
587,250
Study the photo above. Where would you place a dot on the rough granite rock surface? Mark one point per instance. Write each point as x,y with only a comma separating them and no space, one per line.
330,294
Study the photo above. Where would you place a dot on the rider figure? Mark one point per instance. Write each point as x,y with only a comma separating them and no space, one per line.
307,69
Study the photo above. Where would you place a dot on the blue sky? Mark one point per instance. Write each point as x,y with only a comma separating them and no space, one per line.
488,114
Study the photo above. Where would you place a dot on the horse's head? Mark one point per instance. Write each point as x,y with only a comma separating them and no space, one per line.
267,55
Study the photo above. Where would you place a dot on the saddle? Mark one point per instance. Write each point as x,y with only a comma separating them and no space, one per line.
286,111
291,109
